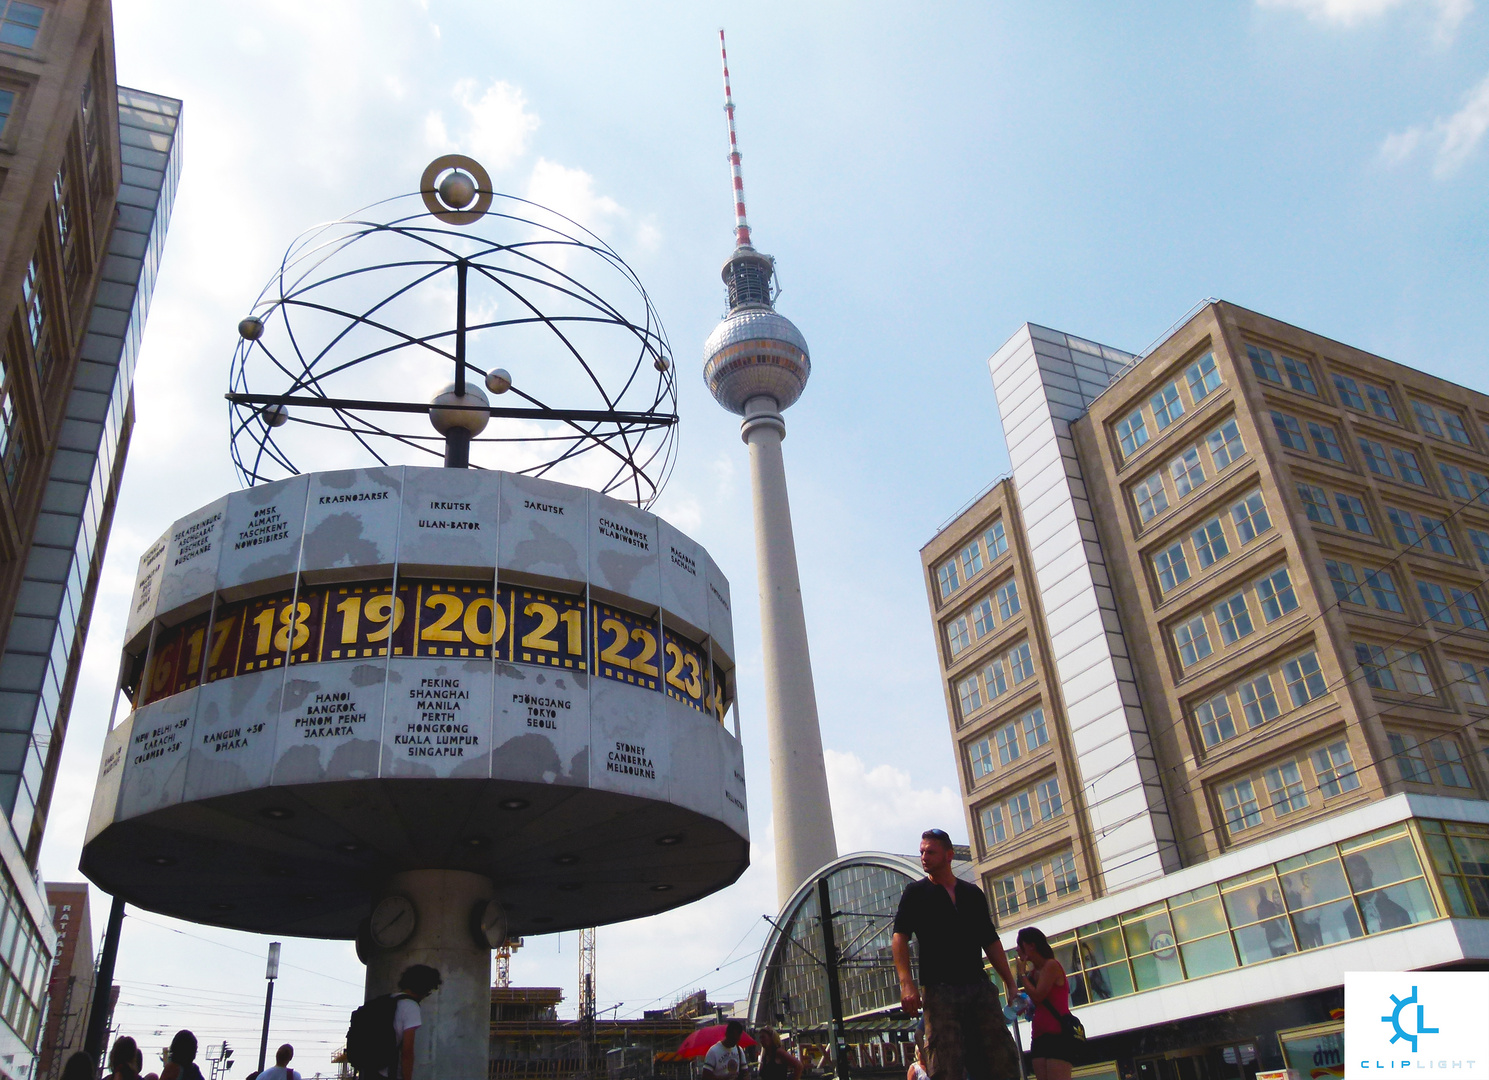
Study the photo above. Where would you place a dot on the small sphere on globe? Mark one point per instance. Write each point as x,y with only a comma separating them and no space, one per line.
275,415
498,380
457,190
251,328
661,363
460,412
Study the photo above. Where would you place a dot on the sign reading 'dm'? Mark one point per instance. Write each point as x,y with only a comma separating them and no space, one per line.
1412,1023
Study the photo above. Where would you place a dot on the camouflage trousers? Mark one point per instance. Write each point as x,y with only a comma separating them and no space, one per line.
965,1034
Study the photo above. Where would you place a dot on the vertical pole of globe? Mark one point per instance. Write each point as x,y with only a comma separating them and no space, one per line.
457,439
802,810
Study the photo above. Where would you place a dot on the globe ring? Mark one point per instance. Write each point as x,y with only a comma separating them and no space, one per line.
431,197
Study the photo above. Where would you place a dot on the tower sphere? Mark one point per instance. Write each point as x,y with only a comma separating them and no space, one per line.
466,412
756,351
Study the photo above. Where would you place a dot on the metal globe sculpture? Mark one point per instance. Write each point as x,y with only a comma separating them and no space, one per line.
368,318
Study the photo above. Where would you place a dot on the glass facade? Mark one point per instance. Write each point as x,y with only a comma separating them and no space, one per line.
1366,885
24,963
44,639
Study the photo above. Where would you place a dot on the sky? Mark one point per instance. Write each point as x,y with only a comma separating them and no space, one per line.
928,177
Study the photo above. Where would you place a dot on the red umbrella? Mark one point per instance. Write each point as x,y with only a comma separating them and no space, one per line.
699,1043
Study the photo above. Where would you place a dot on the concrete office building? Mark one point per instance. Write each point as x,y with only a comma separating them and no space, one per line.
1215,660
70,988
87,176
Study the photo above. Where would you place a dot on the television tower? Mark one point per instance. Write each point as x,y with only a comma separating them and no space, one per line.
756,365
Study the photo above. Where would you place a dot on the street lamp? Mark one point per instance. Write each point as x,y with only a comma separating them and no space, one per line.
271,973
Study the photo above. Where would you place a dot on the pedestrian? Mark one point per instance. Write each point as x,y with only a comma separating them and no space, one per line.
139,1066
122,1059
1045,982
79,1067
182,1063
415,984
725,1059
949,919
281,1069
776,1062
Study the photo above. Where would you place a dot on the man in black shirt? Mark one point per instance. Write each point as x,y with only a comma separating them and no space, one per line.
949,918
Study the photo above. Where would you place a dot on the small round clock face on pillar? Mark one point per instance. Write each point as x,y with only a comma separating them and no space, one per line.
489,924
393,921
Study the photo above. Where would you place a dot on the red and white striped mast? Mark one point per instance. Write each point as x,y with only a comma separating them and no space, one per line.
741,223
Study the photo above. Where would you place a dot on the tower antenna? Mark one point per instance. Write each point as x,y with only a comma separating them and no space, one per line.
741,223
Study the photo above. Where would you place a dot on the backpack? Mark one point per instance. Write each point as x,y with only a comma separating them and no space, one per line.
370,1046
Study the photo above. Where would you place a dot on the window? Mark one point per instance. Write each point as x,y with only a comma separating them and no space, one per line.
1411,671
1427,418
1468,608
1352,513
1410,761
1349,392
982,618
970,695
1172,567
1346,586
1187,472
1303,678
1437,536
971,559
37,319
1334,769
1375,457
7,106
1150,497
1263,364
1209,543
19,24
1008,600
1250,516
1049,798
1166,406
997,542
1453,477
1480,484
1132,433
1299,375
1372,659
1470,684
1380,402
1480,541
1035,890
1276,595
1062,869
1383,589
1405,528
1436,601
1005,896
956,635
947,575
1406,465
1022,663
1215,722
1289,431
1035,733
1449,761
1193,641
1258,701
1202,377
1316,504
981,756
1325,442
1285,789
1007,740
1456,431
1020,815
993,832
994,681
1225,444
1239,803
1233,618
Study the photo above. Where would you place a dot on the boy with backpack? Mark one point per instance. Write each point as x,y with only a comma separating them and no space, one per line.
380,1041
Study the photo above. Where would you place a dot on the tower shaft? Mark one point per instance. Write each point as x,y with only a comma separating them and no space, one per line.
801,807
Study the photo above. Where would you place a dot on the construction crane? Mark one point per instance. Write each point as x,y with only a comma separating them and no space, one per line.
504,960
587,1002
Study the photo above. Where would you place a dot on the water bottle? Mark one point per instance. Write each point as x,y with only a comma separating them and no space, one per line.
1019,1008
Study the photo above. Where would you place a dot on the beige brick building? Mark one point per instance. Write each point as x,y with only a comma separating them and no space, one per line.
1216,661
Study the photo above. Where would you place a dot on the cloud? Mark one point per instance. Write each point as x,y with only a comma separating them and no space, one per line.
880,809
1450,140
572,193
1447,14
492,125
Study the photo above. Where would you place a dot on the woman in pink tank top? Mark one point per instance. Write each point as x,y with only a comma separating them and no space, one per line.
1043,979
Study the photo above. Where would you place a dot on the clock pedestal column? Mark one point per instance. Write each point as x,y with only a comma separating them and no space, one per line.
454,1041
